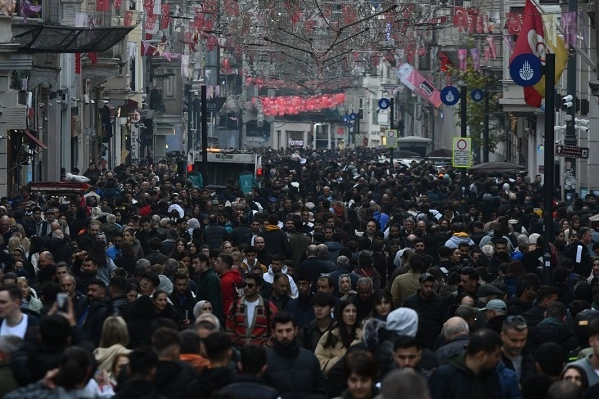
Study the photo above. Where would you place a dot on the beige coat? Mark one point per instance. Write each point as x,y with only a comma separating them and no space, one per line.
327,357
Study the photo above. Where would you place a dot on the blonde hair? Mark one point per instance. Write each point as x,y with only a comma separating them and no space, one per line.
13,243
114,331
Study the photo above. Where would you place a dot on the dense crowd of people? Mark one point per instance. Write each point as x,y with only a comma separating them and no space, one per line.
338,275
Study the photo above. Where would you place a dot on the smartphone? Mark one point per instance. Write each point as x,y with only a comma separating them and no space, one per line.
62,302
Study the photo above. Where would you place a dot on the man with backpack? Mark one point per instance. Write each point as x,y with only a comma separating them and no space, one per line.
249,321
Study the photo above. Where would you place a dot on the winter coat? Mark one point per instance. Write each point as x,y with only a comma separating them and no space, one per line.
209,289
431,314
214,235
453,348
457,239
210,381
171,376
259,332
138,389
327,357
249,387
229,282
302,310
455,380
276,241
551,330
294,372
509,382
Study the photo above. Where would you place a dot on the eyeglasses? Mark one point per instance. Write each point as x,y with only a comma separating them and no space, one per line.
518,323
249,285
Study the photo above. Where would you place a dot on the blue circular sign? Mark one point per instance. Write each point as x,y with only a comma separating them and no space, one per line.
384,103
477,95
526,70
450,95
350,125
353,116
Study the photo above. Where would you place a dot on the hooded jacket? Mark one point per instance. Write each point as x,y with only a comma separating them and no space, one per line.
105,356
458,238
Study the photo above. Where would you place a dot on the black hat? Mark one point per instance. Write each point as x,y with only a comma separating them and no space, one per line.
426,277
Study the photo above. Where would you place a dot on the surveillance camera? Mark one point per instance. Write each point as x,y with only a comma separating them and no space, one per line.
195,93
86,98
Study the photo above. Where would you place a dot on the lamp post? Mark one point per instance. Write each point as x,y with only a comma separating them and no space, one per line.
463,131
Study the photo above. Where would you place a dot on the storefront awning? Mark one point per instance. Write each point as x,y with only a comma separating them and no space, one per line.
67,39
35,140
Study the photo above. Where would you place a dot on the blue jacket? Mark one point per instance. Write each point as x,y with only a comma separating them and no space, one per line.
509,382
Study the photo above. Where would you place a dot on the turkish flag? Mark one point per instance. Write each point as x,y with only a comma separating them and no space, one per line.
117,4
149,8
166,16
102,5
128,21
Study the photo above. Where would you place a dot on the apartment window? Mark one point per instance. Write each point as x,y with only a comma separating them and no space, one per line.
169,83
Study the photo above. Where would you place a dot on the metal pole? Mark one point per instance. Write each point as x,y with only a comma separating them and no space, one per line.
189,118
392,115
204,136
548,165
486,129
570,137
463,133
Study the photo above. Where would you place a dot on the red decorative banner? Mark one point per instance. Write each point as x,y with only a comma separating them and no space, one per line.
102,5
117,4
128,21
166,15
150,22
514,23
149,8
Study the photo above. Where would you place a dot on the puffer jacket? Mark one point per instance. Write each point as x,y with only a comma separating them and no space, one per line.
327,357
294,371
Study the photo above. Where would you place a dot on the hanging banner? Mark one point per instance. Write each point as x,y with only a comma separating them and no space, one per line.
419,84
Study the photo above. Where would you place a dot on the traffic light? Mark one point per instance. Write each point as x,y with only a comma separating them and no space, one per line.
189,168
259,172
567,101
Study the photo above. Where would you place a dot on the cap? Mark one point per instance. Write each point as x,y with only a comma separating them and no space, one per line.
495,304
426,277
488,289
532,239
466,312
272,199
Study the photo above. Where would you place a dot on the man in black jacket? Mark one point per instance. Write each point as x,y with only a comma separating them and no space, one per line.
292,370
219,350
431,309
471,375
172,374
249,383
92,315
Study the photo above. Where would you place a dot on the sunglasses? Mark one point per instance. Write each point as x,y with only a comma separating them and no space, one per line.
249,285
516,322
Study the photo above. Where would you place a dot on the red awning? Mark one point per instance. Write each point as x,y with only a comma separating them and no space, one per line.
35,140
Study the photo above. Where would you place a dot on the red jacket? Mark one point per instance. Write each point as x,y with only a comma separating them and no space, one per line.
229,282
259,333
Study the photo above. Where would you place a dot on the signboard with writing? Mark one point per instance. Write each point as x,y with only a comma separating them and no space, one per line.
462,152
391,138
571,151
